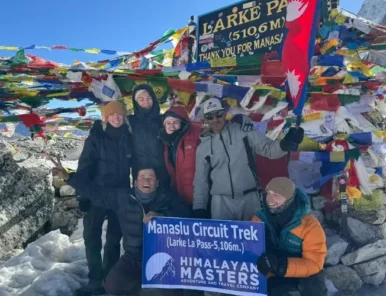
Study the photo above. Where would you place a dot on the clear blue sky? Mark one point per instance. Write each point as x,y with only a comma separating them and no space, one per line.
124,25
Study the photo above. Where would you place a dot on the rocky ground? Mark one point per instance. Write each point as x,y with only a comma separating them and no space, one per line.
29,203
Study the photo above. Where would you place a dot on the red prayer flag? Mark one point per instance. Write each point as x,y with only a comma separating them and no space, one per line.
321,102
31,119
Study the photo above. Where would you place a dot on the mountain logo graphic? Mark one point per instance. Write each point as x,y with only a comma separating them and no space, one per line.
159,266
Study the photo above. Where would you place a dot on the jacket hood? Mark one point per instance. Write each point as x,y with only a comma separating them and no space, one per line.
177,112
304,205
97,128
140,112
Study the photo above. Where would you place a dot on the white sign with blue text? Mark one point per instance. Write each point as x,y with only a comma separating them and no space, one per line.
207,255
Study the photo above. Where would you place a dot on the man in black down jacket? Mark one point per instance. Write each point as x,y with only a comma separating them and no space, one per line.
106,160
146,124
134,207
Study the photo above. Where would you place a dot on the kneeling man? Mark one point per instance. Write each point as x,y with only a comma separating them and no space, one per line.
133,207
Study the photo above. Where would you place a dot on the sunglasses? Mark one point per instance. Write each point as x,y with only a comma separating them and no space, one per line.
217,114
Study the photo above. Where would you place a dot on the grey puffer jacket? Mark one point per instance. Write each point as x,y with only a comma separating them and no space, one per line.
222,162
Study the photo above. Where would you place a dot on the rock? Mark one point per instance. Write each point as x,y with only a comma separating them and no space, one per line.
64,221
67,190
344,278
370,217
368,160
57,182
10,254
370,11
371,267
26,199
336,247
68,204
366,253
363,234
318,215
318,202
74,154
66,215
37,148
375,279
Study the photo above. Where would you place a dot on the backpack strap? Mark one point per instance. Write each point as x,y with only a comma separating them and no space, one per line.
251,161
207,158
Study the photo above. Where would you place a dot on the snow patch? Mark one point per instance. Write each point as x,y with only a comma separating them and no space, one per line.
53,265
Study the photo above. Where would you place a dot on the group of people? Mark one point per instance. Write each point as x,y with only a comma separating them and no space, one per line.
180,169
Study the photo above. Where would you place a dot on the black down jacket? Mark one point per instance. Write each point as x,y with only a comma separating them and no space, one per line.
130,211
106,158
148,147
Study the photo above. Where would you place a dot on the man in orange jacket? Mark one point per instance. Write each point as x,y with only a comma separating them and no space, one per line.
295,242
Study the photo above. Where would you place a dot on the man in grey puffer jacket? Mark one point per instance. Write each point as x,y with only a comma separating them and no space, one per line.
222,167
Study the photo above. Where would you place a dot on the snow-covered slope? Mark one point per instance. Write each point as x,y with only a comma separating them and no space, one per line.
53,265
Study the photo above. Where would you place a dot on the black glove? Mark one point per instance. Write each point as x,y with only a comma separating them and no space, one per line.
200,214
270,263
245,124
84,205
292,139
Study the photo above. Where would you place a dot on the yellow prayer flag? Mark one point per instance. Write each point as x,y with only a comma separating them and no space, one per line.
334,12
328,45
308,145
348,79
353,192
359,66
184,97
340,19
374,178
60,94
337,156
313,116
224,62
9,48
231,102
275,93
128,102
93,50
168,58
176,37
380,134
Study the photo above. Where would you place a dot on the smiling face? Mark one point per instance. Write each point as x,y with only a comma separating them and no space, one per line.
171,124
216,121
146,181
275,200
144,99
115,119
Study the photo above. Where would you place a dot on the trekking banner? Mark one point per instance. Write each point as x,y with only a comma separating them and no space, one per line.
207,255
244,28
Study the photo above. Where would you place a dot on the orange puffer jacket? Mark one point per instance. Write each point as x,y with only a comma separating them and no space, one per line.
302,241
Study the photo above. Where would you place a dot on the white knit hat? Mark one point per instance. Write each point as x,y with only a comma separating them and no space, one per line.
137,93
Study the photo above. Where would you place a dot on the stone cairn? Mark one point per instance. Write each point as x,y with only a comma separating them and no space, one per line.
359,258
